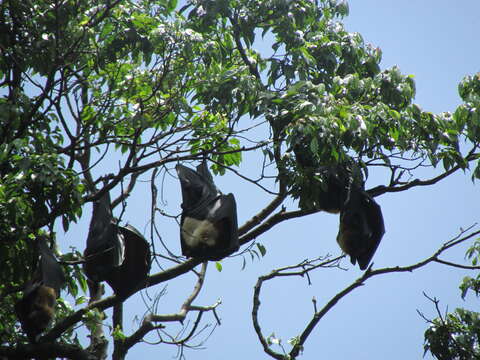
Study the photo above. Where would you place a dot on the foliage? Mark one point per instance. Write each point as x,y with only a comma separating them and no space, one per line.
96,93
457,335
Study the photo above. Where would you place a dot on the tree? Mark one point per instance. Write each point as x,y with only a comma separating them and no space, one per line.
110,96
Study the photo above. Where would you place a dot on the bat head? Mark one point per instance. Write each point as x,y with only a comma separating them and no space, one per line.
36,309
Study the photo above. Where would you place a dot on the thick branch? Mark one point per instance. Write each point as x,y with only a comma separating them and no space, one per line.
272,221
45,350
262,215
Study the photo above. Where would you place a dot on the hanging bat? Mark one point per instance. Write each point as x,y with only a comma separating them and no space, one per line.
328,184
116,254
361,227
208,226
332,194
105,249
36,309
133,273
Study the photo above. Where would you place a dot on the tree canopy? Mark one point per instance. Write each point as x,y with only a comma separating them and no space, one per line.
108,96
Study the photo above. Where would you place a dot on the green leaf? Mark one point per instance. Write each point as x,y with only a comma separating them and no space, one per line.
262,249
218,265
118,334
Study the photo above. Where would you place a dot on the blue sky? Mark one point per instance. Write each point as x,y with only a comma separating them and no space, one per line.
438,43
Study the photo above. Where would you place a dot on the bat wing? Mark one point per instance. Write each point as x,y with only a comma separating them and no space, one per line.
361,227
376,226
105,246
133,272
51,272
332,193
197,188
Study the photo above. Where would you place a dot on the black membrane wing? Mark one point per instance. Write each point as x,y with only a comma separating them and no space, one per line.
361,227
197,187
374,217
332,193
105,247
209,228
51,273
133,272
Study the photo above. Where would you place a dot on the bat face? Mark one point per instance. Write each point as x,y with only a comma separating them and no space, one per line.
208,227
361,228
197,233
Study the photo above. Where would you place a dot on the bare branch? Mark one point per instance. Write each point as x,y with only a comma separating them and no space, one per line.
460,266
185,308
382,189
306,266
371,273
149,320
45,350
262,215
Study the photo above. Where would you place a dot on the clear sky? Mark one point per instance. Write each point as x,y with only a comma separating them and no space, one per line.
437,41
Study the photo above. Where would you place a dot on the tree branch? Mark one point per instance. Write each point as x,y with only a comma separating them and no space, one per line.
371,273
45,350
280,216
382,189
303,268
306,266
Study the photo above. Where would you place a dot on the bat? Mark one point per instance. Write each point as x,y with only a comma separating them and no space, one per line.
208,226
36,309
105,249
333,192
132,274
361,227
117,254
328,185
